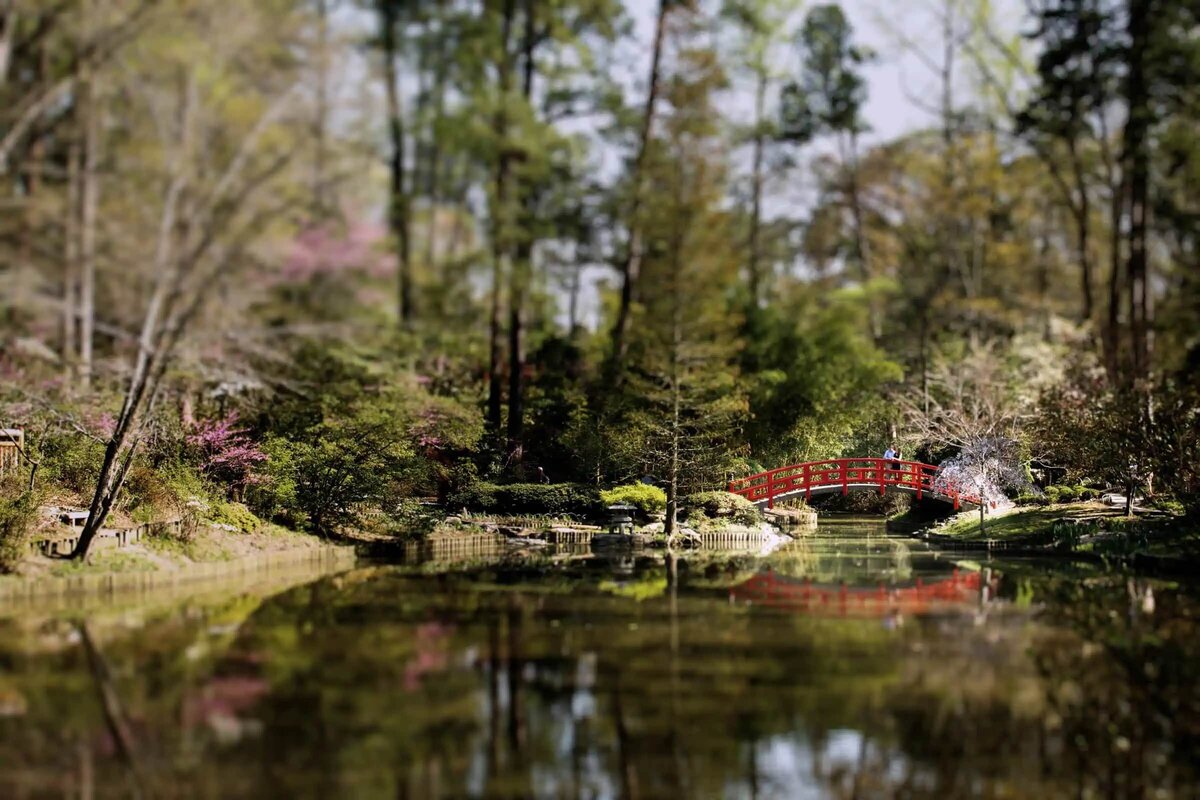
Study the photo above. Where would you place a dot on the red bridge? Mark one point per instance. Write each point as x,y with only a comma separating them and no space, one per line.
847,475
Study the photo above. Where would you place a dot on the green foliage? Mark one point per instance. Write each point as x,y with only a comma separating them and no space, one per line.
338,466
1172,507
528,498
1175,443
18,516
685,401
723,504
1032,499
235,515
817,379
648,499
1069,494
72,461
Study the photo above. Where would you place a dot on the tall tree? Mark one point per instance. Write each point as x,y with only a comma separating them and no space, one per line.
629,267
392,15
217,165
763,26
827,97
500,202
684,355
566,34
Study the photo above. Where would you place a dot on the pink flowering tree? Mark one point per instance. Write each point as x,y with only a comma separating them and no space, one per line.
227,453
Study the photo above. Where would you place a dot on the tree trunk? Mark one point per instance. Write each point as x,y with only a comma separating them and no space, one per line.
8,32
1112,328
630,267
320,200
522,268
33,174
1138,158
434,171
399,202
90,201
516,354
500,213
70,319
1083,227
753,264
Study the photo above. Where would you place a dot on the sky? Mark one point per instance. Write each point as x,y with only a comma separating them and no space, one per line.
905,35
903,87
901,33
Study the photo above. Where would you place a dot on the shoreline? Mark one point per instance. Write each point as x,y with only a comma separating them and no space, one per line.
22,592
1070,532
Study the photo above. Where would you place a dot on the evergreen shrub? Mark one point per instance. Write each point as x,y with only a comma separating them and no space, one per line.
648,499
528,498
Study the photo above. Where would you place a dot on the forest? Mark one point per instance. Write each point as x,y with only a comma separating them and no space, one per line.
321,262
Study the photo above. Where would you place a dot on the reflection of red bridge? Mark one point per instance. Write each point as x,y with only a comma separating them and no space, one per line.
847,475
772,590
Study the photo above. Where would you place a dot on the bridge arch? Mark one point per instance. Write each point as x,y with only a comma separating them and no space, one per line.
845,475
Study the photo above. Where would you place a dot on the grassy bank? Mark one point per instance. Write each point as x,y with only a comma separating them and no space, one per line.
1022,522
1082,528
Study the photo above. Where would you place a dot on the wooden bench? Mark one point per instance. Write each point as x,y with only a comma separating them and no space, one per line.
74,519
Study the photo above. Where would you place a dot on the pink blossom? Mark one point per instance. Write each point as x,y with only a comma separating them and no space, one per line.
227,452
101,424
326,250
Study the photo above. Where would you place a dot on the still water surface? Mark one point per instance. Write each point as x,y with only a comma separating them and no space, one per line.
849,664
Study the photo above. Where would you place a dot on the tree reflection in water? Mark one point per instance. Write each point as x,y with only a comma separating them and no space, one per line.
569,679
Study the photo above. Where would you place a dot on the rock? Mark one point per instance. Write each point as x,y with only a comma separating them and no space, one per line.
619,541
453,520
653,529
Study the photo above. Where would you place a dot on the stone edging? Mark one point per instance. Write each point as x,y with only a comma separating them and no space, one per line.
113,583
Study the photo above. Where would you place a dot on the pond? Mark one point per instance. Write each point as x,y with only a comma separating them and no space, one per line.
851,663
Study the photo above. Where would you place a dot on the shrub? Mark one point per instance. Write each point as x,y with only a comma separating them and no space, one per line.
648,499
1030,499
234,515
528,498
1172,507
148,493
723,504
226,453
73,461
18,515
331,470
1070,494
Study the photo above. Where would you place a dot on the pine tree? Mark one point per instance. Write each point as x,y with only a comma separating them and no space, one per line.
684,346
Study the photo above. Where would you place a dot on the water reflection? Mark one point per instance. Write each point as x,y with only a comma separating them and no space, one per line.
635,676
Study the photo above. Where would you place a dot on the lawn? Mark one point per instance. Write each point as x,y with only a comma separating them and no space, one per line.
1020,522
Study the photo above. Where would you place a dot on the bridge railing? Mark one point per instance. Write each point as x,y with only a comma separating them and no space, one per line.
850,473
